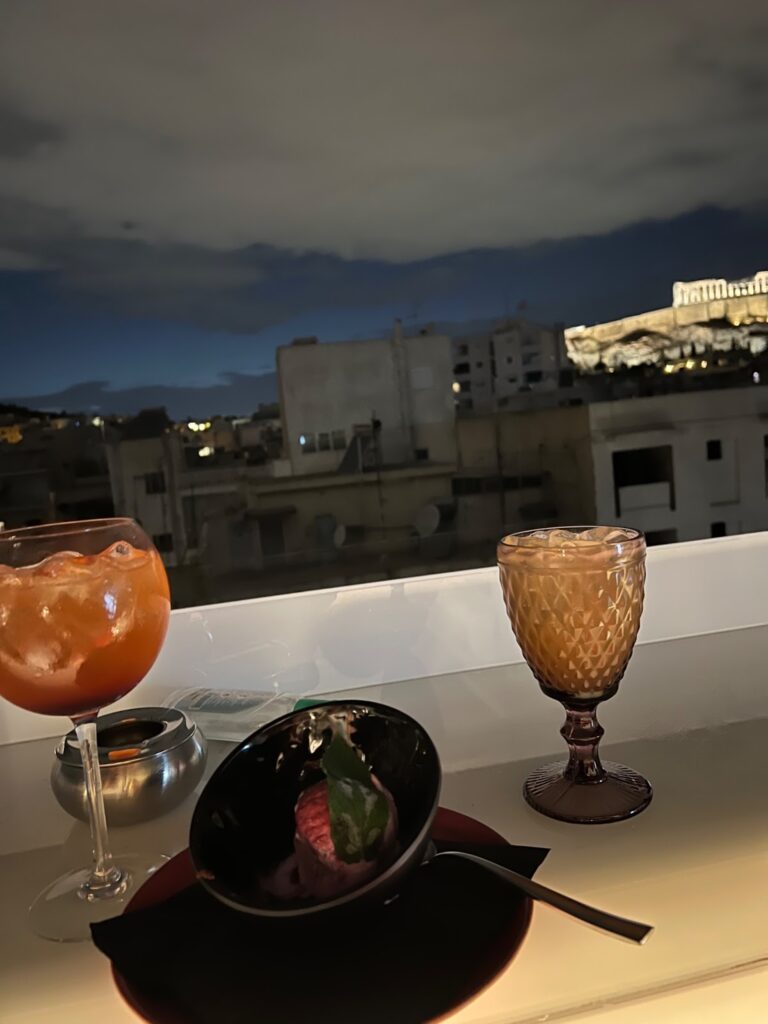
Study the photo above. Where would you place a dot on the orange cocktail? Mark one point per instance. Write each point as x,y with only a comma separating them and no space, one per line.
77,631
84,609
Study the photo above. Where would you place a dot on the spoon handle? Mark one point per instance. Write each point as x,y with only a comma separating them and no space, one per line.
634,931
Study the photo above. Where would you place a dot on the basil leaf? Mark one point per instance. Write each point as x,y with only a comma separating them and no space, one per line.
341,761
359,814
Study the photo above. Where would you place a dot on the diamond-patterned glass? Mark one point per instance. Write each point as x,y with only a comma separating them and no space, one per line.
575,608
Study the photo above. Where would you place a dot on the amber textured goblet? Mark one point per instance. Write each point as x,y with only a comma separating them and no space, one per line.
574,597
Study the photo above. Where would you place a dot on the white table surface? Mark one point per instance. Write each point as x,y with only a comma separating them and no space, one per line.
695,864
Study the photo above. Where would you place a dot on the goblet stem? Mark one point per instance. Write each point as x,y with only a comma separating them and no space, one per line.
105,879
582,732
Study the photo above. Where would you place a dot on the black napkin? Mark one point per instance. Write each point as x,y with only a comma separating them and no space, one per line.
192,960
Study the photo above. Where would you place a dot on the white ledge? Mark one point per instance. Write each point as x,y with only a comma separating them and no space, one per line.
431,626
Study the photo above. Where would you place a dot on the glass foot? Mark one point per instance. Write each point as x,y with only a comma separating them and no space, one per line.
65,911
620,794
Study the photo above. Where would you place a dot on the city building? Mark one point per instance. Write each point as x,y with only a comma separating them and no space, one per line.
515,364
51,468
351,405
705,317
683,467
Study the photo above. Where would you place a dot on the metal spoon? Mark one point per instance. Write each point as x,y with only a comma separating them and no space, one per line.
633,931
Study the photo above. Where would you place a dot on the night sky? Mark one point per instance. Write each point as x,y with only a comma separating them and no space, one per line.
184,185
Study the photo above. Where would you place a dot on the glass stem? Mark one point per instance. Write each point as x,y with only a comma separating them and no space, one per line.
582,732
104,875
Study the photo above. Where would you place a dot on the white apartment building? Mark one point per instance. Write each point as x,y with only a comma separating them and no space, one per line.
351,405
182,499
677,466
502,368
683,466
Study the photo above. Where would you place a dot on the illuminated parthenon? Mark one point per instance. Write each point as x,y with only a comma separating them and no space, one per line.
686,293
709,315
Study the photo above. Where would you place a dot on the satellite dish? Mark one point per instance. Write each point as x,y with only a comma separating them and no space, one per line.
344,536
427,520
436,517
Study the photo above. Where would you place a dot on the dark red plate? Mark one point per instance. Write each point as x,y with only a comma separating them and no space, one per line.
448,935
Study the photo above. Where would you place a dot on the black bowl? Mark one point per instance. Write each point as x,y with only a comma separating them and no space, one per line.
243,825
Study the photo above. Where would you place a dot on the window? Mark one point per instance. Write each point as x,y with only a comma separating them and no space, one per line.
307,442
643,466
463,350
533,377
478,366
422,454
714,450
154,483
529,358
461,368
717,530
466,485
163,542
465,386
339,440
324,442
511,380
653,537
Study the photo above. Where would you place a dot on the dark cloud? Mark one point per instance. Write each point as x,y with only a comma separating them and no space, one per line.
394,131
22,136
236,394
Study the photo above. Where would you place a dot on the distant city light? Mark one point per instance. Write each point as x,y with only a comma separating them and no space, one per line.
669,368
193,426
690,364
703,364
205,452
97,421
302,440
755,377
456,387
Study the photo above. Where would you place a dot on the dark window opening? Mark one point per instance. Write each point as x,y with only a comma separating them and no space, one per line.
466,485
717,530
643,466
339,440
422,454
461,368
533,377
654,537
565,379
163,542
154,483
272,538
465,386
714,450
324,442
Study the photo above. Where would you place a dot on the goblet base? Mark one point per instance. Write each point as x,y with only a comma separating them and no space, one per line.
66,909
619,794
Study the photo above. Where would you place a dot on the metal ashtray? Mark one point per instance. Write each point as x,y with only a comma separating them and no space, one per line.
150,759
